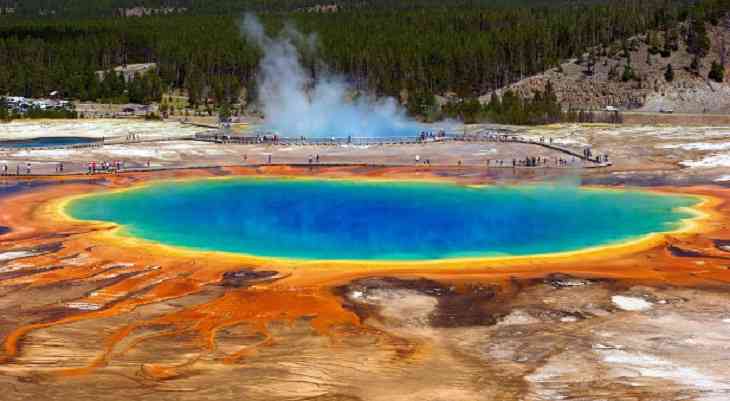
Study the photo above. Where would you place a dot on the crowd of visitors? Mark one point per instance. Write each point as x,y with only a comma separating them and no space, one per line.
115,166
20,168
427,136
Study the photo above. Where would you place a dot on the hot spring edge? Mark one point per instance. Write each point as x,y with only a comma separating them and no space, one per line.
313,219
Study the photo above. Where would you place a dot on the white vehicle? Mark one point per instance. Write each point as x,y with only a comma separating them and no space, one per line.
611,108
666,110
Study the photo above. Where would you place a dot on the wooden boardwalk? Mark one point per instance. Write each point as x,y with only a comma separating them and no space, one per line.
217,137
481,137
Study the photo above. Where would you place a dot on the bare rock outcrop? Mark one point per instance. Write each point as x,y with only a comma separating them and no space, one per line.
596,82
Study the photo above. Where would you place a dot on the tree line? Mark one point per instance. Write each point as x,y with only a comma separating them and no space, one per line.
109,8
466,50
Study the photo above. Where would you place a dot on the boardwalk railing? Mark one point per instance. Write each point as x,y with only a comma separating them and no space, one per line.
218,137
482,137
335,141
489,137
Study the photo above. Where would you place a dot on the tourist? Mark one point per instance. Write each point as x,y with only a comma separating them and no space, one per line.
17,169
5,169
27,168
418,159
269,159
317,158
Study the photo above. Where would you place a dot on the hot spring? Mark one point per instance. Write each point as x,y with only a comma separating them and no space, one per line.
399,221
47,142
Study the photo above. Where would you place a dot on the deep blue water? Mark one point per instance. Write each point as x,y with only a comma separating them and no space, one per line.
46,142
320,219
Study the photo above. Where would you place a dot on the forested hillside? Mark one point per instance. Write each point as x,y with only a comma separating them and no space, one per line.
469,50
105,8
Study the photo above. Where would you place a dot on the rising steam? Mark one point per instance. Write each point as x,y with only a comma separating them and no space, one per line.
295,104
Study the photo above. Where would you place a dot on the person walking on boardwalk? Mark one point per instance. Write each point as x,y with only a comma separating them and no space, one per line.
5,169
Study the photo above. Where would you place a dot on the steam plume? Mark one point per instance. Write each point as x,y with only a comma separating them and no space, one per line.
294,104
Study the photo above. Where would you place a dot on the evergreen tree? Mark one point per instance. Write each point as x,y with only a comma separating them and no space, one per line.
628,73
494,105
4,111
698,43
224,112
421,102
695,64
194,86
669,73
653,42
717,72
